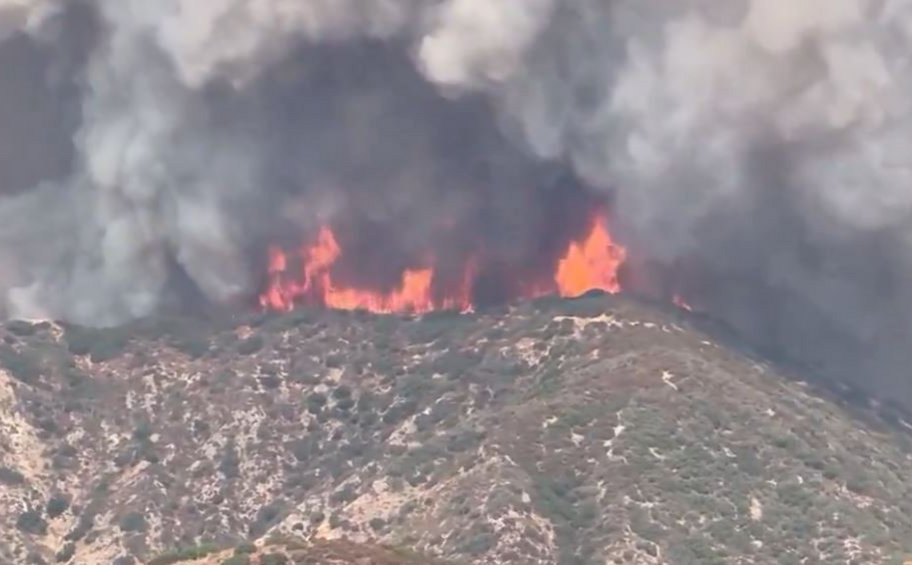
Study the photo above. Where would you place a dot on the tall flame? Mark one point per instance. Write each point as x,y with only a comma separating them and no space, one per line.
590,264
317,285
587,264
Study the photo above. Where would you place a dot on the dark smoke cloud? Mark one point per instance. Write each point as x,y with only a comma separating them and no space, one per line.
755,151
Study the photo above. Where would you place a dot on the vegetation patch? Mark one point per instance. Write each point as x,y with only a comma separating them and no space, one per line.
184,554
472,424
132,522
31,522
11,477
57,505
66,552
99,344
22,366
22,328
250,345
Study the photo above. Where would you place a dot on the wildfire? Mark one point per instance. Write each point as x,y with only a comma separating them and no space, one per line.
317,285
590,263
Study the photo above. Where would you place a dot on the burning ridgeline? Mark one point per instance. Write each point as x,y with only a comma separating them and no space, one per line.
755,151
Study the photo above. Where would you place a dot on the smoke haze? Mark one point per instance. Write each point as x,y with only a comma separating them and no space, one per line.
756,152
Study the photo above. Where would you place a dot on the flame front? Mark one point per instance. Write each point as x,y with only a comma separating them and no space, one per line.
591,264
316,285
588,264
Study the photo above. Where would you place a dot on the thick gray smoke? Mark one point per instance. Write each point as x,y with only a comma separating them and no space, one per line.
757,151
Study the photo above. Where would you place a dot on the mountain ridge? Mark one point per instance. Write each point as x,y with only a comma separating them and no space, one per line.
599,429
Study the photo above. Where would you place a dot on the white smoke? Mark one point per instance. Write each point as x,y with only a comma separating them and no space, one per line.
479,43
26,15
685,99
697,110
241,37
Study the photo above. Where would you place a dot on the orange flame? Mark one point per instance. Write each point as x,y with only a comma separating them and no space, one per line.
412,295
591,263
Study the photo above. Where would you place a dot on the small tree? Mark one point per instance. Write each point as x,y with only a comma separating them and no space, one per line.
132,522
31,522
56,505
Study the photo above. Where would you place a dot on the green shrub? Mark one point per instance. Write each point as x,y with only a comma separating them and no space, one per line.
31,522
316,402
250,345
464,441
366,402
455,363
10,476
191,347
303,448
143,430
57,505
265,518
83,525
21,328
343,495
477,541
236,560
273,559
245,548
377,524
270,382
21,366
79,340
399,411
132,522
99,344
435,325
230,464
66,553
186,554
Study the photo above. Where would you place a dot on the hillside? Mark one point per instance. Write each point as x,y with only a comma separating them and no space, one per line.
559,431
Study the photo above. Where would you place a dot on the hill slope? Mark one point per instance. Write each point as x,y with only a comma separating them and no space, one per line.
587,431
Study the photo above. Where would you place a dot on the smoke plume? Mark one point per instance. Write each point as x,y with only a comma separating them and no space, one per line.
756,152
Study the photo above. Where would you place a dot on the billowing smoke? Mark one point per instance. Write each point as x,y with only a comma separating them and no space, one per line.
756,152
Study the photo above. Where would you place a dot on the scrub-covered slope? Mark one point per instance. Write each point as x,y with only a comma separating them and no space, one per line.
586,431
